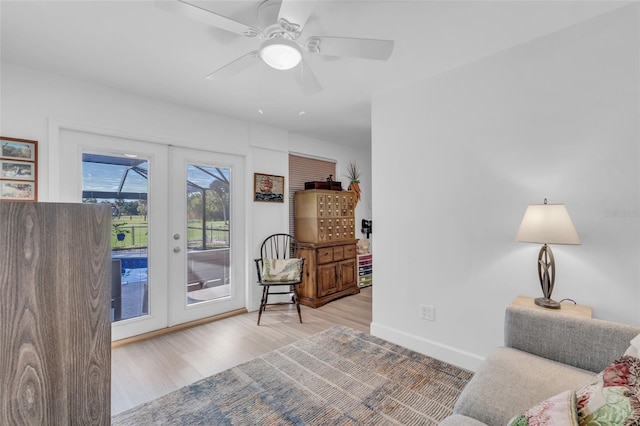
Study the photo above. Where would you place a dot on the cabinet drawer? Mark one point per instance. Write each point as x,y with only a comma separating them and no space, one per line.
324,255
324,216
338,253
365,280
349,251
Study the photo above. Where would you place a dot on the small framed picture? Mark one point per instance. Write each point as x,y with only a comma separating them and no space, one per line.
17,149
14,190
268,188
18,169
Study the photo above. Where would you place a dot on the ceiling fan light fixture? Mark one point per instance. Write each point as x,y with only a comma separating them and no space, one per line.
281,53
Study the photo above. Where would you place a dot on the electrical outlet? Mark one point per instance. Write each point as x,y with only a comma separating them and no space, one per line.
427,312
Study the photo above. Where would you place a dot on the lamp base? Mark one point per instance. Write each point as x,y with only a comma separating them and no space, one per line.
547,303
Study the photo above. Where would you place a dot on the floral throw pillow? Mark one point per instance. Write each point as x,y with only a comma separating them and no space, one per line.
279,270
559,410
634,348
613,396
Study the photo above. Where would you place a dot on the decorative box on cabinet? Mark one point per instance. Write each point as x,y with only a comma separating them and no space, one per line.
323,216
55,329
330,272
365,270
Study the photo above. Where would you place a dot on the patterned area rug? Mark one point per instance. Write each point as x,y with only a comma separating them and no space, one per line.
339,376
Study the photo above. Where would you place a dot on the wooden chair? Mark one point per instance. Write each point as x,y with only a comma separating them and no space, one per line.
279,246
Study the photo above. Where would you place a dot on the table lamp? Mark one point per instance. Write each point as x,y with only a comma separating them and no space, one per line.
547,224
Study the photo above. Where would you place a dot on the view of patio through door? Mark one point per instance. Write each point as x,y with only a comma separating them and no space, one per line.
177,226
122,182
207,205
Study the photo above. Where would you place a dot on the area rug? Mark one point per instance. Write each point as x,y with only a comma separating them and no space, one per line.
337,377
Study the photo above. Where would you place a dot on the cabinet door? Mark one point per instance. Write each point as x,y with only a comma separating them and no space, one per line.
347,276
327,280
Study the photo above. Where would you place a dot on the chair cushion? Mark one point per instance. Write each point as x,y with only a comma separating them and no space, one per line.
511,381
281,270
610,398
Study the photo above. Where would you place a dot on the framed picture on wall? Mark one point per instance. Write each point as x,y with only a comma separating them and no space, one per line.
269,188
18,169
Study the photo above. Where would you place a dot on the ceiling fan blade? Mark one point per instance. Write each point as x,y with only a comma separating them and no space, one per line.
234,67
205,16
307,80
294,14
352,47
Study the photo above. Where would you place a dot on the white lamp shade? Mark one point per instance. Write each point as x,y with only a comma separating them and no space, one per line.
547,224
281,53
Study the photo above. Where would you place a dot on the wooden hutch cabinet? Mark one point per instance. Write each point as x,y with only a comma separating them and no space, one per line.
325,228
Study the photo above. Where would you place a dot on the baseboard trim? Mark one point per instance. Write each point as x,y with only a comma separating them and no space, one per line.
428,347
163,331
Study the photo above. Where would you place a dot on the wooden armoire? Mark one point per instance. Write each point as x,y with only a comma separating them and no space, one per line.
325,228
55,306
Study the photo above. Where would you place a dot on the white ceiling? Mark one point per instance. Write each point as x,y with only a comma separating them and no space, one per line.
137,47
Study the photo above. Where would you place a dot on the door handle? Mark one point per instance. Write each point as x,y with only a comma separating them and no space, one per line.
176,249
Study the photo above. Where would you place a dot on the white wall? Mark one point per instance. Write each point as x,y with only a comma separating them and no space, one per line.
35,103
457,158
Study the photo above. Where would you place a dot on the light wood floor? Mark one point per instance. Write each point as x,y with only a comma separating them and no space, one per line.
145,370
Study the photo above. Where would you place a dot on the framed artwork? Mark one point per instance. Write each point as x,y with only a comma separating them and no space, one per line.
268,188
18,169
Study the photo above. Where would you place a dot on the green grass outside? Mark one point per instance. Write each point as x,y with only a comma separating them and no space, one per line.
136,229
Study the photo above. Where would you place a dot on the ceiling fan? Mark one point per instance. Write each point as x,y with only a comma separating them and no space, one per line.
281,47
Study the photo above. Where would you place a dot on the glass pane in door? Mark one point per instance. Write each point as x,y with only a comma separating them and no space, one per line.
122,182
208,223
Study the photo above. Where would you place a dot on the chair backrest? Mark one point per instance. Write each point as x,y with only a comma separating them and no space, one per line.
279,246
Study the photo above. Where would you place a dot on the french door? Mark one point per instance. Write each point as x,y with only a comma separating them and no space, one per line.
177,221
206,219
